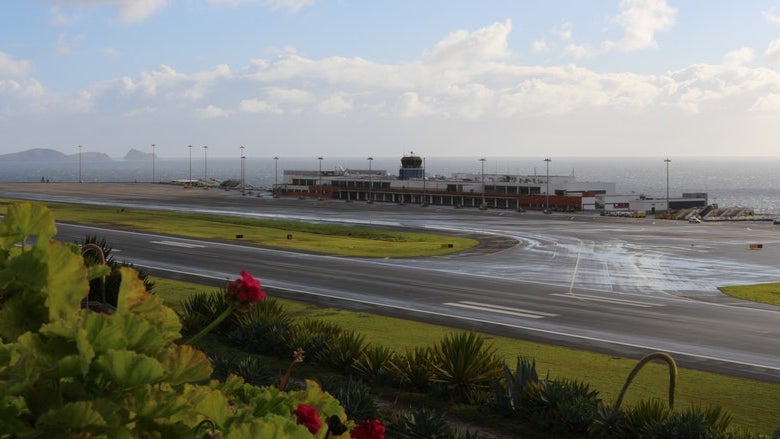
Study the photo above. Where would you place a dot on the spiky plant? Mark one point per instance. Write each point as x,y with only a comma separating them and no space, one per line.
506,392
373,363
465,365
414,369
343,351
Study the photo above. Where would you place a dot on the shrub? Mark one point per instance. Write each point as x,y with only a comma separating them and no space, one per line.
264,329
414,369
311,335
354,395
200,309
506,393
68,371
372,364
465,366
105,289
250,369
420,423
561,406
342,351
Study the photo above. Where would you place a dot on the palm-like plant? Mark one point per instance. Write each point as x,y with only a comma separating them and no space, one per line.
414,369
465,366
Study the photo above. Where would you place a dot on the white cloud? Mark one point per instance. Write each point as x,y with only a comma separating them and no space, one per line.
212,112
464,47
772,52
563,31
767,104
335,104
128,11
409,104
578,51
640,20
10,67
65,43
739,57
292,6
539,46
771,16
259,106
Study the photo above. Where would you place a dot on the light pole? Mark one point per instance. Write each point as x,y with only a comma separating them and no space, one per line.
189,180
243,180
153,178
276,174
205,165
667,184
370,180
320,179
483,181
547,191
80,181
424,203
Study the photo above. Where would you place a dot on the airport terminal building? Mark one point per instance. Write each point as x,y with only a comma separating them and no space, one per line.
412,186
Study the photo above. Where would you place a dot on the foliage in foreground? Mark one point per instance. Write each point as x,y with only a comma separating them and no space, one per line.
66,370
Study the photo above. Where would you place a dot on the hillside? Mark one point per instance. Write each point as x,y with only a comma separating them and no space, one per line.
50,155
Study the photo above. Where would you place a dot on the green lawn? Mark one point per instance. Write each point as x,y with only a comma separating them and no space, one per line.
761,293
752,404
318,238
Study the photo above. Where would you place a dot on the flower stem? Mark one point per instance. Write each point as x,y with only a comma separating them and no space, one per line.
211,326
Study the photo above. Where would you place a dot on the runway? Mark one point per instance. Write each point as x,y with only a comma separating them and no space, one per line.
624,286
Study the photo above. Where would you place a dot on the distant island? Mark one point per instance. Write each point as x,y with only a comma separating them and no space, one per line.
51,155
135,154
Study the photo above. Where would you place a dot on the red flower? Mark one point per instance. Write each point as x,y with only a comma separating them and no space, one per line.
307,416
368,430
245,290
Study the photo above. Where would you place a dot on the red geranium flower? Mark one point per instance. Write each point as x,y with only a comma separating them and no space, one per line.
369,430
307,416
245,290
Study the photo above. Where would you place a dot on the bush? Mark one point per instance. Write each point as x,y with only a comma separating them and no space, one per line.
200,309
342,351
561,406
355,397
465,366
264,329
373,364
507,392
414,369
311,335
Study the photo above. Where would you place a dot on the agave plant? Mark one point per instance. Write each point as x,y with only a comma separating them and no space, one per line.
414,369
343,351
506,392
465,365
373,363
560,406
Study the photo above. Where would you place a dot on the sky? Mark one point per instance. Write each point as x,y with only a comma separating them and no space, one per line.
352,78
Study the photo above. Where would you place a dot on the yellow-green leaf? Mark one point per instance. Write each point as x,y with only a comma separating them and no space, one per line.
129,369
25,219
185,364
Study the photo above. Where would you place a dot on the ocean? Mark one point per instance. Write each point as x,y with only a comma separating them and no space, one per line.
752,182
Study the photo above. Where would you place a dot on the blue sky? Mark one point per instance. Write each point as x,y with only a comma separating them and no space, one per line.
380,78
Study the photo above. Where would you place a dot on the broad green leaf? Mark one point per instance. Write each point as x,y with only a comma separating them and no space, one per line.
66,281
75,416
185,364
155,401
96,271
272,426
128,369
20,314
103,332
141,335
134,298
212,404
25,219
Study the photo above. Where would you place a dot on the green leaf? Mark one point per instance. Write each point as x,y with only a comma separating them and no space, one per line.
66,281
25,219
185,364
272,426
96,271
128,369
134,298
75,416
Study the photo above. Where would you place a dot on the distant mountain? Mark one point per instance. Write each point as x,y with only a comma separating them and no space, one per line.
135,154
50,155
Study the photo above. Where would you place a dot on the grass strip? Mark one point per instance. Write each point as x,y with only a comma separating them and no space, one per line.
355,241
761,293
752,404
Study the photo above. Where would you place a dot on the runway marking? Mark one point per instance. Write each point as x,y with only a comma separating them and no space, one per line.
501,309
608,300
178,244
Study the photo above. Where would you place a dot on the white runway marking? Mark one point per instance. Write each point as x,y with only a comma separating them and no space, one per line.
502,309
609,300
178,244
